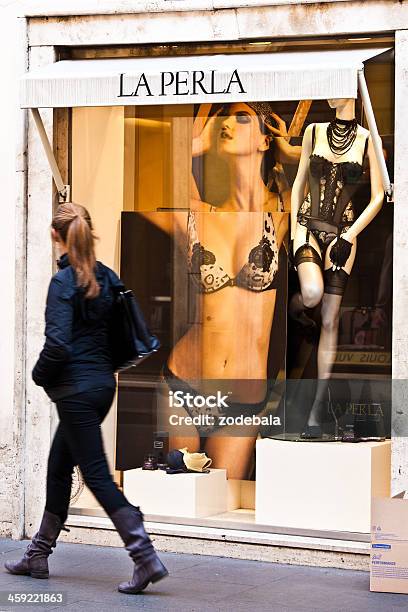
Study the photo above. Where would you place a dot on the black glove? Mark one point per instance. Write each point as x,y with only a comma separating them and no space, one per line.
340,252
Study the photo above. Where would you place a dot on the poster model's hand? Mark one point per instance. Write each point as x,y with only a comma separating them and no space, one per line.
285,152
279,130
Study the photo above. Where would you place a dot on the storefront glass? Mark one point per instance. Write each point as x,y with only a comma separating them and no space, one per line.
256,366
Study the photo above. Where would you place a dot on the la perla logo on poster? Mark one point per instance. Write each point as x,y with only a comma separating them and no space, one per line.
179,399
180,83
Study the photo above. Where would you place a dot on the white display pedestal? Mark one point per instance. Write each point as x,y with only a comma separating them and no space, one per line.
320,485
186,495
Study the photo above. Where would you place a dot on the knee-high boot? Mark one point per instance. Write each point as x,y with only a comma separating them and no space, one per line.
35,560
128,521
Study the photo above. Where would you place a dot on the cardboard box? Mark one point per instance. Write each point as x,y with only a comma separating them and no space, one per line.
389,545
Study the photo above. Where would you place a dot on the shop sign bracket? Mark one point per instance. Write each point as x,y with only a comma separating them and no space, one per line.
65,194
64,191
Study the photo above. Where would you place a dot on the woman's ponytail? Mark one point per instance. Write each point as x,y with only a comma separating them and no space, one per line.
74,225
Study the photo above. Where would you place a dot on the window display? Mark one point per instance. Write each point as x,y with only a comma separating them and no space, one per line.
264,339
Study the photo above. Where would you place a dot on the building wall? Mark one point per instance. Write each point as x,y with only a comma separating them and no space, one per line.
148,22
400,281
12,179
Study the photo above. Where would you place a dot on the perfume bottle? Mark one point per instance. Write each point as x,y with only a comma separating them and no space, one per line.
150,462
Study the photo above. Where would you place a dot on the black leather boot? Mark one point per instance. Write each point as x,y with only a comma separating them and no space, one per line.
128,521
35,560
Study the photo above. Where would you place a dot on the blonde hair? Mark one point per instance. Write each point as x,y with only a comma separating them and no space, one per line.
73,223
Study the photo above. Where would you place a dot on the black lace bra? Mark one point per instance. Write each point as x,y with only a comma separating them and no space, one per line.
257,274
348,172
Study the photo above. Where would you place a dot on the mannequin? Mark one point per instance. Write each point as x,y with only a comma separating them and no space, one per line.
324,227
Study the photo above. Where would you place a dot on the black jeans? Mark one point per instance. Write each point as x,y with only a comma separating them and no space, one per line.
78,441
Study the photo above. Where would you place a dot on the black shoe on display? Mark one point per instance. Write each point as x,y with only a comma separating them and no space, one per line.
314,432
349,435
325,430
311,432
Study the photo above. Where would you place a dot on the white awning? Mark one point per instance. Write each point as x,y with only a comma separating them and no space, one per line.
306,75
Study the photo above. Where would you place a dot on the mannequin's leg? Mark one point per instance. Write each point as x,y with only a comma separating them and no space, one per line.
298,312
328,338
326,353
309,272
307,257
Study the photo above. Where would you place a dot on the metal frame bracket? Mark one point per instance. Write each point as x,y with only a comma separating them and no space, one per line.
64,191
65,194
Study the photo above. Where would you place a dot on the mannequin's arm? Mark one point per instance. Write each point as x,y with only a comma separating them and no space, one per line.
298,188
376,201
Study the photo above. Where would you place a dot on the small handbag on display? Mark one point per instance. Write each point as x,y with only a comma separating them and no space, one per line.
130,338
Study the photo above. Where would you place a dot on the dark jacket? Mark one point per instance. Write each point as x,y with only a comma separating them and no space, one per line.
76,356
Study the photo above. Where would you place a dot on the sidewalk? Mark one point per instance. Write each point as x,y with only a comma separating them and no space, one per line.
89,576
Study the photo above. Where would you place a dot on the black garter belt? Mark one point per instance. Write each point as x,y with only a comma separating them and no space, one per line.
307,253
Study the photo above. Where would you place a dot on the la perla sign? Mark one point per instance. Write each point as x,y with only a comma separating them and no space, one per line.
180,83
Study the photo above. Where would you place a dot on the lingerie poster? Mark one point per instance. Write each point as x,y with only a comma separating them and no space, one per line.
209,255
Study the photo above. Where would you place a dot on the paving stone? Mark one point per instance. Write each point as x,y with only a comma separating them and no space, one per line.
244,573
335,592
9,545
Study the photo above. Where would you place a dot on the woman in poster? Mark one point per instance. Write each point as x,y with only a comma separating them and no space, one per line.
232,259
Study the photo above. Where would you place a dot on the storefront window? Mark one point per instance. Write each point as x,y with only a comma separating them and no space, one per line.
266,349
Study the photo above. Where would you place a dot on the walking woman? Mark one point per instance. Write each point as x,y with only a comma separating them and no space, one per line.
75,369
